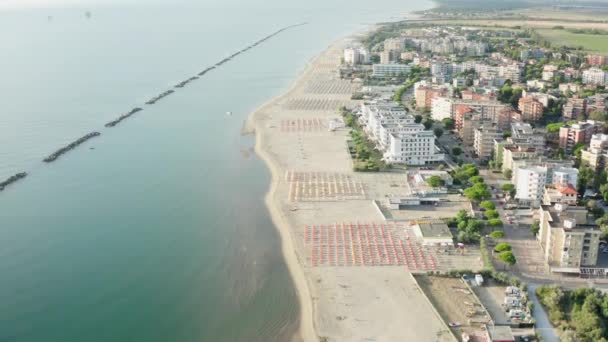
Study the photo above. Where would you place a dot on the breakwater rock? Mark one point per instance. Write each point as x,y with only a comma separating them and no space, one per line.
159,97
12,179
183,83
123,116
53,156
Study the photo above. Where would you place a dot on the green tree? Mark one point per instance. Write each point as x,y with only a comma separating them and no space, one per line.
428,123
418,118
495,222
438,131
488,205
456,151
503,247
535,227
598,115
477,192
462,216
508,187
554,127
497,234
476,179
508,173
507,257
435,181
491,214
448,123
474,226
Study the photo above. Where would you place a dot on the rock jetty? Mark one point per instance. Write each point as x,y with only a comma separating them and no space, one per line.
183,83
206,70
12,179
52,157
123,116
159,97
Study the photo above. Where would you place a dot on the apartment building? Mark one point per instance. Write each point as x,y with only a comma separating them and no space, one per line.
595,76
397,135
531,109
530,185
390,70
596,60
596,103
560,193
413,148
596,154
389,56
441,108
522,134
356,55
567,238
483,143
574,109
581,132
424,95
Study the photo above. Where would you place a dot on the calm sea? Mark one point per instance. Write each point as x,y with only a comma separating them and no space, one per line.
155,231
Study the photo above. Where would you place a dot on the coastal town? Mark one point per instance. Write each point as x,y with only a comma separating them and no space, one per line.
457,169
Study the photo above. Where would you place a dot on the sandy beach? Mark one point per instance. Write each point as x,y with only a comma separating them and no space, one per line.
343,298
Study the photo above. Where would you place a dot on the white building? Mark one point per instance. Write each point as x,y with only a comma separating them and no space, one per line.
441,108
414,148
595,76
390,70
510,72
564,175
530,184
354,56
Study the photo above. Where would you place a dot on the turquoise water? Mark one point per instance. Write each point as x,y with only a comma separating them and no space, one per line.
155,231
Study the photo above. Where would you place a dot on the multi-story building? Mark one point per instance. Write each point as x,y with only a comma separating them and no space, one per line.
414,148
530,108
389,56
596,60
530,184
581,132
487,110
424,95
560,193
535,53
563,175
510,72
595,76
596,103
567,238
397,135
522,134
484,137
512,153
441,108
354,56
549,72
575,108
571,87
390,70
597,154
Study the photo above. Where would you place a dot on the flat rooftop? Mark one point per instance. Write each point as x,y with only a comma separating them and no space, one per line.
432,230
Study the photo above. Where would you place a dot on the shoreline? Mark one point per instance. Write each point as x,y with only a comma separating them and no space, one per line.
306,331
321,316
